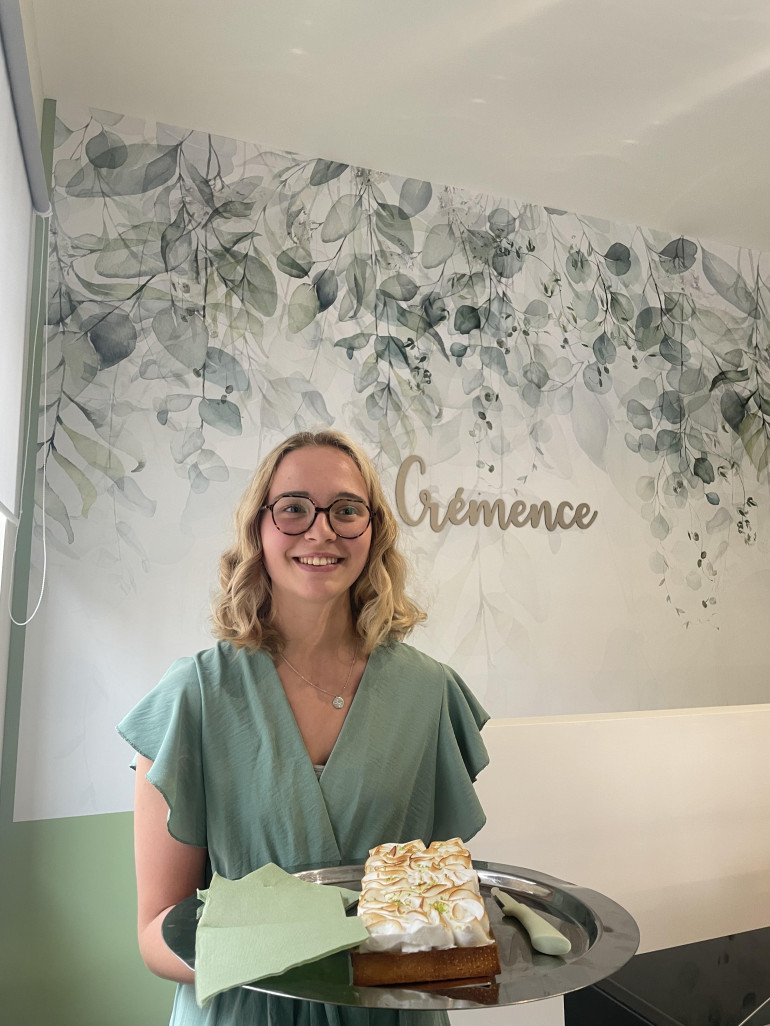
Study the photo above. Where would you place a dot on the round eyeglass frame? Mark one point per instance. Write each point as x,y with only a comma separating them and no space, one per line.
318,509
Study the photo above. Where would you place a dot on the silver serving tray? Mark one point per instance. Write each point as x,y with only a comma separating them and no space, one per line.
603,936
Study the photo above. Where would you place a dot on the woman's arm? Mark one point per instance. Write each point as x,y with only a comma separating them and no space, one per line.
166,872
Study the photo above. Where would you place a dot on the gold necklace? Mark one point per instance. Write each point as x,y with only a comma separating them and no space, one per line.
337,700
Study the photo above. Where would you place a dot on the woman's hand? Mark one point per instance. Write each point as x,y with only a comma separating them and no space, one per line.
166,872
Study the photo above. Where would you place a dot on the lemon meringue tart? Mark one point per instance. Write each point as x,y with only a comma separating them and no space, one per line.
425,916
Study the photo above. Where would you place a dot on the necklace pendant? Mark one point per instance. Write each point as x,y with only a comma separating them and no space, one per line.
338,702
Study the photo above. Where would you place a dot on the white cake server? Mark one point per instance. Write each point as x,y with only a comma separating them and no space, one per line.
543,937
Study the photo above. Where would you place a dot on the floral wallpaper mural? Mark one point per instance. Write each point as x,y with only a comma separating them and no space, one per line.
208,297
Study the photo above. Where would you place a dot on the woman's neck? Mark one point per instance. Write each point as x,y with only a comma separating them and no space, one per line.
317,632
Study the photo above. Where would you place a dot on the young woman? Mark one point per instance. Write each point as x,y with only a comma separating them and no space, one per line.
310,733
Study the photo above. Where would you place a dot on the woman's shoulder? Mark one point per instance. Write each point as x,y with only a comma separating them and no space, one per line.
220,665
412,667
399,657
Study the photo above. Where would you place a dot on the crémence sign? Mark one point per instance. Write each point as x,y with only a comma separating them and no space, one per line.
460,510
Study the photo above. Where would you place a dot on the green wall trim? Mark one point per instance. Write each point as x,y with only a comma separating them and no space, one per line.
20,582
68,951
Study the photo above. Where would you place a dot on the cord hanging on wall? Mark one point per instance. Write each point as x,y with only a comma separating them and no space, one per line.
41,262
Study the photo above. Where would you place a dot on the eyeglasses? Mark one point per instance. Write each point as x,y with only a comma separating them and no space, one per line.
296,514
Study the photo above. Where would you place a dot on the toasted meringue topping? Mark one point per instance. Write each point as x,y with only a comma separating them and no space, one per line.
416,898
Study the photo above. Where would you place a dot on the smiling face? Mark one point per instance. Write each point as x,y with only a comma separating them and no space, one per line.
316,567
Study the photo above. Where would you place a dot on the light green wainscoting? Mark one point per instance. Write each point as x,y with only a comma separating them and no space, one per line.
68,952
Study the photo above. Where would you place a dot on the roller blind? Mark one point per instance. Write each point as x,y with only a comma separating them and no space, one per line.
15,228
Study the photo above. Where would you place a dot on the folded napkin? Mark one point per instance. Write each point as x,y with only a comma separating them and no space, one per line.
265,923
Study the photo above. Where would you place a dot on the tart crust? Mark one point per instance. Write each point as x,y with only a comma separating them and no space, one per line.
388,968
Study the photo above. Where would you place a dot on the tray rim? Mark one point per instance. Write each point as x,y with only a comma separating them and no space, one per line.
616,942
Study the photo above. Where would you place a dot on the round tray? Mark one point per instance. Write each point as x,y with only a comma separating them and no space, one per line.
603,936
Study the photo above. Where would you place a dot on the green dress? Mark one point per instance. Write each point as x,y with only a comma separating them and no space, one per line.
230,761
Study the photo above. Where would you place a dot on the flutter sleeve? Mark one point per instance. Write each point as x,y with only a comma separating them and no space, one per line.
461,756
166,728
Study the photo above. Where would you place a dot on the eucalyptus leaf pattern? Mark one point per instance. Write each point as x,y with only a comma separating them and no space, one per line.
205,282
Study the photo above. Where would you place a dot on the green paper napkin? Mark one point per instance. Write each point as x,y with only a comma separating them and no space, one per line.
265,923
270,874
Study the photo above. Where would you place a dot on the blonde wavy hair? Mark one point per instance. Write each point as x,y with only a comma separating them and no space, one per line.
242,612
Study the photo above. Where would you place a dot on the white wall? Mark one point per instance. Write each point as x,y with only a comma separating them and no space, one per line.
7,537
667,813
534,1013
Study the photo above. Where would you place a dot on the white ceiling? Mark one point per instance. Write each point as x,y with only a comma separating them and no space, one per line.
653,112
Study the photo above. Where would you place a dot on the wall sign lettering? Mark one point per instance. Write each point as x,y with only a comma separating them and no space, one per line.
460,510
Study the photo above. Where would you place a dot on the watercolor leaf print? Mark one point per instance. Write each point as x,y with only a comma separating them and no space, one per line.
206,282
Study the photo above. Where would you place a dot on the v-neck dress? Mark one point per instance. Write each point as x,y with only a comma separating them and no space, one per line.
229,759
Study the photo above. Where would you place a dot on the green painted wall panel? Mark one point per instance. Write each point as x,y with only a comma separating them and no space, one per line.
68,951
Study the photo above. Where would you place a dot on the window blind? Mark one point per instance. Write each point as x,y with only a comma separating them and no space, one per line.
22,189
15,228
